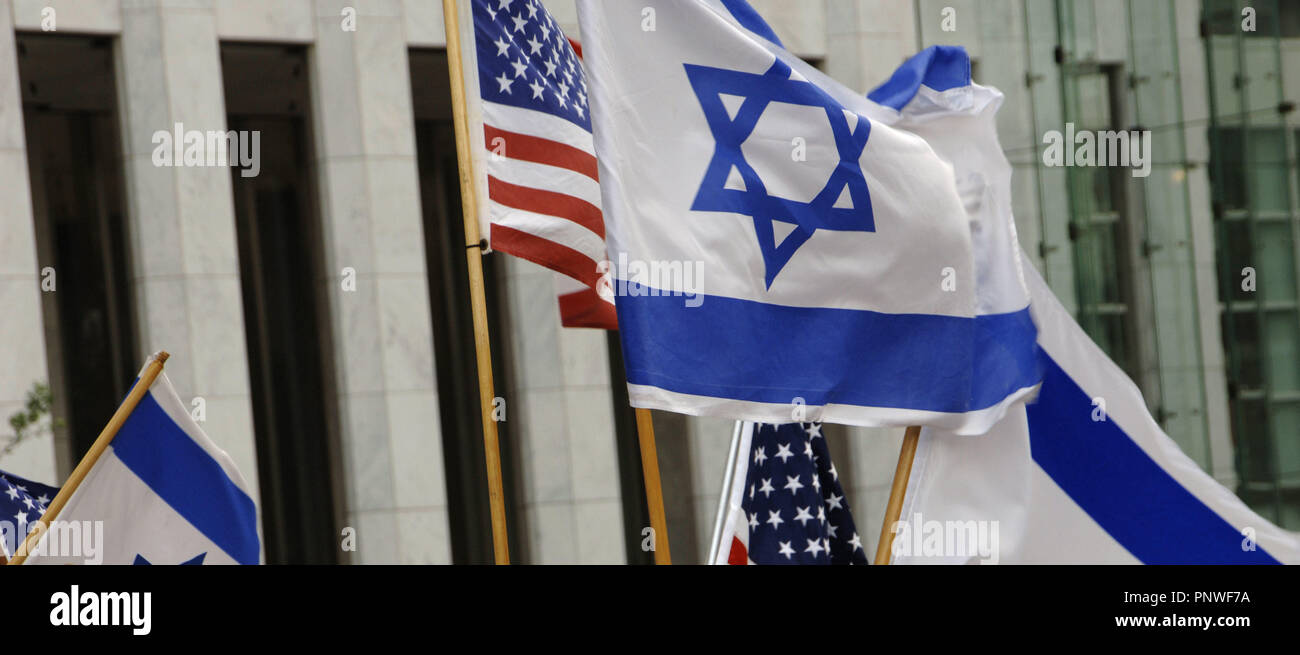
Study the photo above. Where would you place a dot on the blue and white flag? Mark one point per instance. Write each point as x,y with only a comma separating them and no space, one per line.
162,493
778,251
932,96
1066,479
1082,473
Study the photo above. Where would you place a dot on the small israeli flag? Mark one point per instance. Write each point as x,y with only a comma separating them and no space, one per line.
162,493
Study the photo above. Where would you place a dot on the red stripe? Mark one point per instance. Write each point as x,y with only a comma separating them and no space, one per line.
738,555
547,202
586,309
525,147
550,254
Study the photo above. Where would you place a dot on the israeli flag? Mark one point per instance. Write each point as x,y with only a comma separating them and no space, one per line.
779,250
162,493
1082,475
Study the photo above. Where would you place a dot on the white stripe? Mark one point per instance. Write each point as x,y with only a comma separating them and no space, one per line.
552,228
539,124
970,423
548,178
135,520
565,285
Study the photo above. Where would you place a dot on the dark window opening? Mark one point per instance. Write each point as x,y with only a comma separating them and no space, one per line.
453,326
1101,226
1273,18
75,164
631,479
289,349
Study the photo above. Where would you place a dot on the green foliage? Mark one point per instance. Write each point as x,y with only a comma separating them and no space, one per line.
26,422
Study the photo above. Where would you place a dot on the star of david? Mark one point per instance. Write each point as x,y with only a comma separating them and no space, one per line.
824,211
193,561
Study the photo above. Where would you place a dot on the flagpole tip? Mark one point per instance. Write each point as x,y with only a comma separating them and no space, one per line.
161,356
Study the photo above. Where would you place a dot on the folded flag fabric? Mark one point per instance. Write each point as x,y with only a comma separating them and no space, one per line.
790,508
935,98
162,493
530,139
1083,475
776,244
22,502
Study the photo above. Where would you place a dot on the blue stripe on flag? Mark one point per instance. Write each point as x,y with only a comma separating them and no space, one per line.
184,475
940,67
1125,491
750,19
825,355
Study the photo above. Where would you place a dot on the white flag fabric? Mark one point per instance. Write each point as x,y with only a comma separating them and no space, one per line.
934,97
162,493
1060,480
776,244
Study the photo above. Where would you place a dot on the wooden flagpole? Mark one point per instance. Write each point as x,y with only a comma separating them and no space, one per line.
896,493
474,257
654,494
96,449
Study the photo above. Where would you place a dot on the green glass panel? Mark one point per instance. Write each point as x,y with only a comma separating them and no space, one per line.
1080,24
1284,353
1275,263
1252,443
1268,169
1093,102
1227,154
1241,338
1222,17
1238,249
1103,196
1286,436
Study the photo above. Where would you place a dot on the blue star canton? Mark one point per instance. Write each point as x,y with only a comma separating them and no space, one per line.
825,211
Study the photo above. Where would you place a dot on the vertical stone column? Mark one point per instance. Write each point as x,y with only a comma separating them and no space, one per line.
20,317
562,417
866,40
710,440
184,252
1194,83
383,345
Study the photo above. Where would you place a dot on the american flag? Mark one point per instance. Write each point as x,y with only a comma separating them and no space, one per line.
543,193
22,502
793,509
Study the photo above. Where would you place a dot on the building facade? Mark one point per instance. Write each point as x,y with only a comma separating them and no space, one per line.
317,312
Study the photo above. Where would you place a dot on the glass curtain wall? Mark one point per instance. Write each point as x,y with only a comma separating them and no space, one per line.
1252,137
1131,235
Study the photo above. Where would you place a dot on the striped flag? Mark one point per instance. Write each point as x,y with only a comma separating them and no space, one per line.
1082,475
161,493
22,503
786,505
530,136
